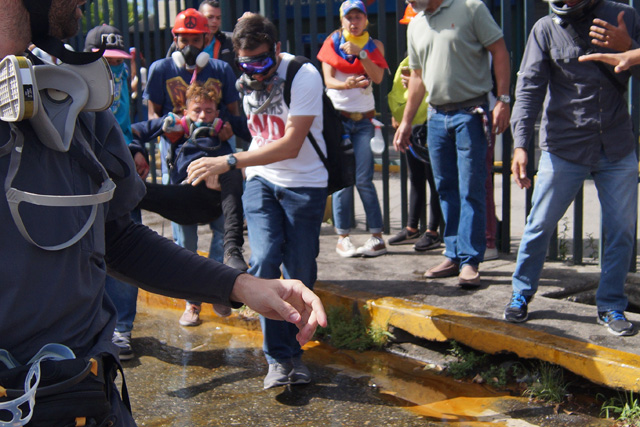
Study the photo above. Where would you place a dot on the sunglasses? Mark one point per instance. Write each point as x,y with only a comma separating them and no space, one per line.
259,64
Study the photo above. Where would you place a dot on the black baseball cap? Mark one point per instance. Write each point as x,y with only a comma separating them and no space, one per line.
112,39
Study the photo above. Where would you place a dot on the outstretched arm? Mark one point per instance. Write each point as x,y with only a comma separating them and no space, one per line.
621,61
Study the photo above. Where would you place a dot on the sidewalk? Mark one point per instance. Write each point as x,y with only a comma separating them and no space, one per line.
394,293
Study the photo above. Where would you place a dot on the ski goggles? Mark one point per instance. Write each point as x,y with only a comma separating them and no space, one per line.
259,64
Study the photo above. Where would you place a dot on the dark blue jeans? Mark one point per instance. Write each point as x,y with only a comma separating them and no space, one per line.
457,149
284,230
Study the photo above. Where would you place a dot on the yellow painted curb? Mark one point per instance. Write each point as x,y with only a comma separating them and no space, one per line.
602,365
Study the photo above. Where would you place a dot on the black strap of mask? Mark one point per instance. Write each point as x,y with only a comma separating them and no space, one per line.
39,15
585,45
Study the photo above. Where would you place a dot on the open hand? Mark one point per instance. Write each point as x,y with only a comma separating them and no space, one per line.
280,299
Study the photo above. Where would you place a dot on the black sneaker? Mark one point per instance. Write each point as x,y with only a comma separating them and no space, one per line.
616,323
427,241
404,237
233,258
516,310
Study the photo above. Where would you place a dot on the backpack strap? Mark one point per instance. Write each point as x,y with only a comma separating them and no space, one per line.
292,69
584,44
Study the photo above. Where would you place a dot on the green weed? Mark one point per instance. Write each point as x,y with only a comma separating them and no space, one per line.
348,331
563,238
625,407
592,245
549,384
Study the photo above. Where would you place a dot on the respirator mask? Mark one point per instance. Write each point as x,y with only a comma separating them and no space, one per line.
51,97
190,57
576,12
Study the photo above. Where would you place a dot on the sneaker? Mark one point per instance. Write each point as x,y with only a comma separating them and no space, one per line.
490,253
191,316
123,341
516,310
221,310
233,258
427,241
278,375
616,323
345,248
373,247
299,373
404,237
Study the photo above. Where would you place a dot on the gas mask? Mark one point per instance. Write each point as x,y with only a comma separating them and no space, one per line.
576,12
190,57
51,97
272,86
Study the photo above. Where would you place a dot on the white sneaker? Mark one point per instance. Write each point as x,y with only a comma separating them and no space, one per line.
490,253
191,316
123,341
345,248
373,247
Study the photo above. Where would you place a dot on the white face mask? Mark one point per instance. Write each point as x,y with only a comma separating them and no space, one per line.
52,96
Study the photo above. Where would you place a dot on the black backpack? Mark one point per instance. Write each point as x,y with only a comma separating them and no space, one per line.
340,161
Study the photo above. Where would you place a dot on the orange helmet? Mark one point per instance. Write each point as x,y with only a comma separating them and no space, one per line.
190,21
409,13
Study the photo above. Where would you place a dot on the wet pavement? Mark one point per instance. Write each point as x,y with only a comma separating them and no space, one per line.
211,375
391,292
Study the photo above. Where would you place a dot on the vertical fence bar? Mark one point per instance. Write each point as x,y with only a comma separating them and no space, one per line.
578,229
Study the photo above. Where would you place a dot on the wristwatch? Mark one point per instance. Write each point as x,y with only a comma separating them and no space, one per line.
363,54
505,98
232,161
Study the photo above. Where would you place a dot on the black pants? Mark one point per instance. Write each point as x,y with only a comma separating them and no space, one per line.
186,204
419,174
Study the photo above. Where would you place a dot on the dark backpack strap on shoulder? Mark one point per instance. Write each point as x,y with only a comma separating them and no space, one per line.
292,69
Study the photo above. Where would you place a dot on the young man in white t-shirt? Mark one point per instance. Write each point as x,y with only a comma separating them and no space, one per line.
286,189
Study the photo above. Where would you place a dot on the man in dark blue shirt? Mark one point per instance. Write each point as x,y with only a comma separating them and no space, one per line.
585,130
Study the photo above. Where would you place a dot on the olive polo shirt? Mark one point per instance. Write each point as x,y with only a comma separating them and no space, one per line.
449,45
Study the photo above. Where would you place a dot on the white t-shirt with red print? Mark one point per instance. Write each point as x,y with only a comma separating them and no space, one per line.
306,170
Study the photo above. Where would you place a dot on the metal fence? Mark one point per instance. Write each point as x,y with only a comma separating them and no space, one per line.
303,25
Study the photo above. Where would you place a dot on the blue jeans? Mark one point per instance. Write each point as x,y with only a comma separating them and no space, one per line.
558,182
457,150
123,295
360,133
284,230
187,237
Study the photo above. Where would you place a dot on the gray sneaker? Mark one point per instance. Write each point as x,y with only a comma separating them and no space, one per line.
123,341
278,374
300,373
616,323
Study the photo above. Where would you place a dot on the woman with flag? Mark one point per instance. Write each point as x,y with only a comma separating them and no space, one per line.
351,62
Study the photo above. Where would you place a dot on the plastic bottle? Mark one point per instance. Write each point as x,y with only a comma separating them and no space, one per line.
377,142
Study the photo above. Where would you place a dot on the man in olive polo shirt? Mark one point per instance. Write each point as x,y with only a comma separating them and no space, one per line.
449,44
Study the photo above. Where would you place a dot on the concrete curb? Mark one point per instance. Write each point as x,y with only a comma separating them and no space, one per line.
601,365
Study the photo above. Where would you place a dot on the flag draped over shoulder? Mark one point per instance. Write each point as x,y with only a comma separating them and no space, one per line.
331,53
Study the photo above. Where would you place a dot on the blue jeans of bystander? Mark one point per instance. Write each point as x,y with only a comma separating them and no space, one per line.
123,295
457,149
284,230
558,182
360,133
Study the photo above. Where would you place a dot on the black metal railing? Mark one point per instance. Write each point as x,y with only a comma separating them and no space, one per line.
303,25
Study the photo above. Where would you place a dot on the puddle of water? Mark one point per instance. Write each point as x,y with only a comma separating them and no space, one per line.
436,397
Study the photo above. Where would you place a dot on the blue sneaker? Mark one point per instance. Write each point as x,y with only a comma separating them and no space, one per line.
616,323
516,310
